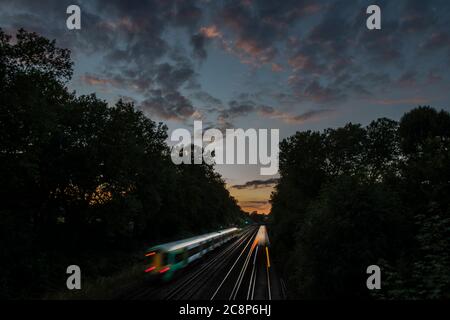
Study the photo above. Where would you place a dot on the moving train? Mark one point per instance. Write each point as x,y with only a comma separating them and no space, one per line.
165,259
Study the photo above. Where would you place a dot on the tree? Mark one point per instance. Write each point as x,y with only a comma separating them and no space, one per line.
83,181
361,196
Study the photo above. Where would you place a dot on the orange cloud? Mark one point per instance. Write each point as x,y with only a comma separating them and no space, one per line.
96,81
250,52
276,67
124,23
210,32
253,199
259,207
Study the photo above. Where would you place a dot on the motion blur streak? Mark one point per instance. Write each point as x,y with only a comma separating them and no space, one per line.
164,270
150,269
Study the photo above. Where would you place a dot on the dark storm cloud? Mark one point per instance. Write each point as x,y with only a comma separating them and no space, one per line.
168,105
235,109
256,184
317,92
207,99
239,109
173,77
198,42
244,108
311,115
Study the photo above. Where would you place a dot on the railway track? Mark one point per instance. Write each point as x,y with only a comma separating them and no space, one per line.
189,287
249,273
238,270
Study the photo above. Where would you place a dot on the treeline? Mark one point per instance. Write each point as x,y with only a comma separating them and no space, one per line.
82,182
357,196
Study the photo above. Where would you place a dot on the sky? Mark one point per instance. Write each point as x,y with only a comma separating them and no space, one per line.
287,65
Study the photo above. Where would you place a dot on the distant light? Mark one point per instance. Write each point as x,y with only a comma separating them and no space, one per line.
268,259
150,269
150,254
164,270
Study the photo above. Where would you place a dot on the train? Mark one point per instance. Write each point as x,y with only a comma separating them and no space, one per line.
164,260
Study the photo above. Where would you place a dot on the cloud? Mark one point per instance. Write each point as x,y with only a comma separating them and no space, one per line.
95,80
255,184
408,79
306,64
256,26
128,41
319,52
277,67
415,101
210,32
239,109
317,92
170,77
201,39
169,105
245,107
420,16
437,40
187,13
256,203
312,115
198,42
434,77
234,110
204,97
261,206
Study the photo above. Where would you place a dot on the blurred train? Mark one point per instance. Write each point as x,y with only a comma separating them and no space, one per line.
165,259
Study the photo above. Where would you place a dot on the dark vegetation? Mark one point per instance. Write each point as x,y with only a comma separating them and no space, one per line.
357,196
82,182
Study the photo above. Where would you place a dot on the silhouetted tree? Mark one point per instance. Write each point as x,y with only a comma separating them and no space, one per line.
85,182
353,196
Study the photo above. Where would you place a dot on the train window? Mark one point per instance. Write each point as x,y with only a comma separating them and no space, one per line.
178,257
164,259
195,250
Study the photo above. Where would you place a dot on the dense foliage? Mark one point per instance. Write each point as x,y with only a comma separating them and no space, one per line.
357,196
83,182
